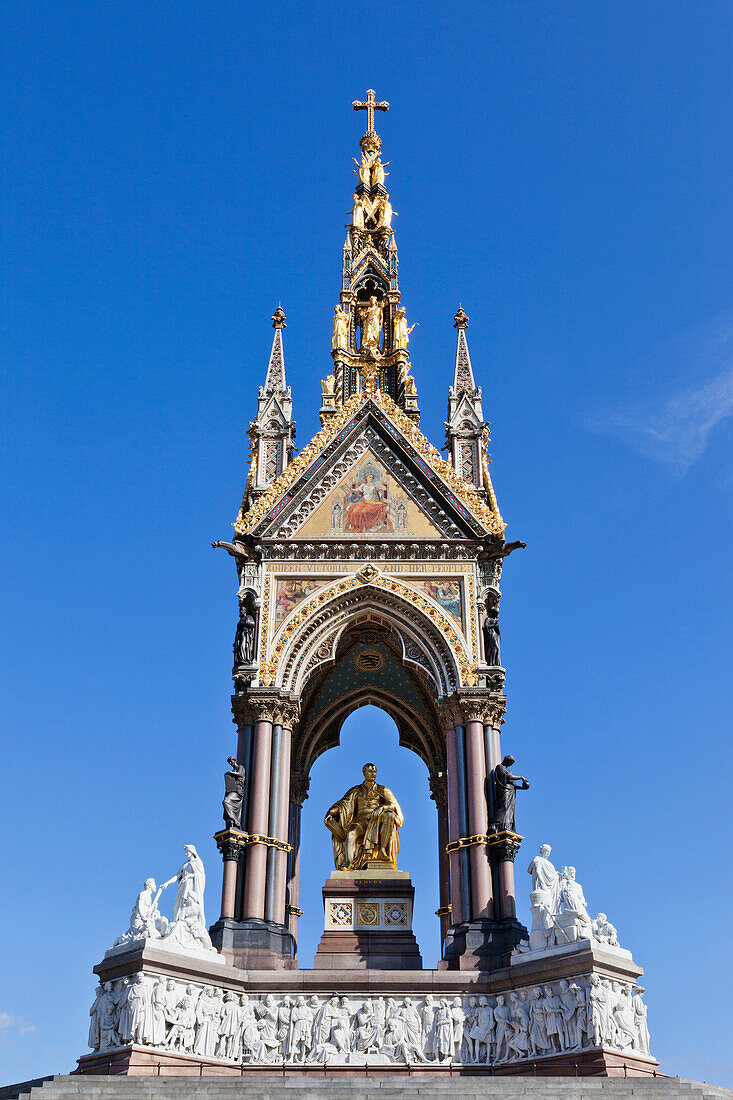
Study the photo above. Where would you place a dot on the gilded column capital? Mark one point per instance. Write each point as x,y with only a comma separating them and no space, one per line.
231,843
505,845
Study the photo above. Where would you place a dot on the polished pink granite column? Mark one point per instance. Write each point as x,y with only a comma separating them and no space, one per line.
259,812
454,833
508,897
229,888
281,833
481,900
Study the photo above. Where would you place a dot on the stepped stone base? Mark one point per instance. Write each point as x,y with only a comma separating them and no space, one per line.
260,1086
135,1061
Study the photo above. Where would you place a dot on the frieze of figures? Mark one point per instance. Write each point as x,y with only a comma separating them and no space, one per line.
212,1022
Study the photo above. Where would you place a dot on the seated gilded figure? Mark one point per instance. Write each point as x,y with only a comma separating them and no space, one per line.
365,825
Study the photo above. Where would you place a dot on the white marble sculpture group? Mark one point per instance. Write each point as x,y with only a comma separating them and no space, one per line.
187,931
236,1027
559,909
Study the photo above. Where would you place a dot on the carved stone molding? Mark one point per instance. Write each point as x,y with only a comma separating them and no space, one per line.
299,786
482,706
263,705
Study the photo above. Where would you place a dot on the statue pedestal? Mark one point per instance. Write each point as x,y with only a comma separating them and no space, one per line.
368,922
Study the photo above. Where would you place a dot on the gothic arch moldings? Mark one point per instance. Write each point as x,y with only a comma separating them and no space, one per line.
380,599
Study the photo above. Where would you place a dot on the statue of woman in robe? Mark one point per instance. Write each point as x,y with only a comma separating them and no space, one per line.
371,324
189,903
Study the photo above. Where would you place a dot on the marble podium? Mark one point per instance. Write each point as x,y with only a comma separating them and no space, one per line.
368,922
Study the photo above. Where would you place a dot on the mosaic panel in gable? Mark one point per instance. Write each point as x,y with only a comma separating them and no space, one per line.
368,502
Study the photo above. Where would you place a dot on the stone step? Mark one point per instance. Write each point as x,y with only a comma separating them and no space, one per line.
385,1087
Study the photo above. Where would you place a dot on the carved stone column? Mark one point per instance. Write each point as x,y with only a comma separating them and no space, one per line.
298,795
279,821
439,794
485,934
482,905
252,931
258,819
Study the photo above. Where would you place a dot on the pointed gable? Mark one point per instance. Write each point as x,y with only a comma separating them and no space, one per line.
417,476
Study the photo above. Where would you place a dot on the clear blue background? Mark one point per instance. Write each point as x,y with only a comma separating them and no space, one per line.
173,170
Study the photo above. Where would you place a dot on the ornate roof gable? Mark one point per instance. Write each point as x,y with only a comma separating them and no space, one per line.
454,507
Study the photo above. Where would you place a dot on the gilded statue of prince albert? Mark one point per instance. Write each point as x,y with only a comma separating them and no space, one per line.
365,824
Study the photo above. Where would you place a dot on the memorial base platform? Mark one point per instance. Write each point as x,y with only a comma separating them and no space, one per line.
194,1018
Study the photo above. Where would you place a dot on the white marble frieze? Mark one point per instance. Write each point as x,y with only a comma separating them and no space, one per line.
212,1022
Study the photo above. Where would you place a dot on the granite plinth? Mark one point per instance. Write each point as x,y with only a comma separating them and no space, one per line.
254,944
481,944
368,922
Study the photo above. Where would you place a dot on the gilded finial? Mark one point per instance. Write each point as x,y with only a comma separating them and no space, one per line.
460,320
370,106
278,318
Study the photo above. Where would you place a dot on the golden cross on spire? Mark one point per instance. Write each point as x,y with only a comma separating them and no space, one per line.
370,107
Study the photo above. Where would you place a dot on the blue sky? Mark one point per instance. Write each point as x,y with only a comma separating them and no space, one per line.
173,170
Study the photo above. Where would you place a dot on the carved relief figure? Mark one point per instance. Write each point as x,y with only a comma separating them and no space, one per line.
365,825
193,1019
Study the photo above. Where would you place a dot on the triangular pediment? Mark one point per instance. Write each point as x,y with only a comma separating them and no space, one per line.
369,502
410,492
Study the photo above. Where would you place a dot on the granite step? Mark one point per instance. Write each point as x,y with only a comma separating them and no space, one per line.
384,1087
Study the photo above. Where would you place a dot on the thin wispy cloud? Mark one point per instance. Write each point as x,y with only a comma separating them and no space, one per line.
10,1023
677,427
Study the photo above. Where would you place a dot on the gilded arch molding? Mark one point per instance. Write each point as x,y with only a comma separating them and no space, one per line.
328,611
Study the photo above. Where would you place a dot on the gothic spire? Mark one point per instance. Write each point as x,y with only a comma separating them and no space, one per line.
275,377
370,330
465,428
272,432
463,374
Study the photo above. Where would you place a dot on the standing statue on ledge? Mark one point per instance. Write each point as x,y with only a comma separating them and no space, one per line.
506,786
365,825
244,639
492,634
400,330
234,797
340,331
370,319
